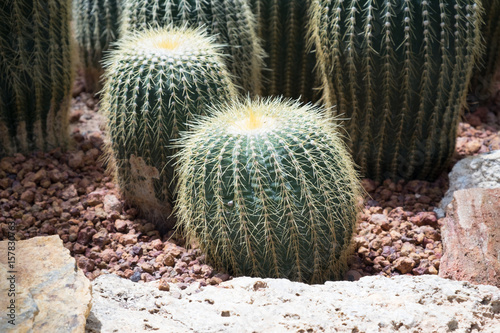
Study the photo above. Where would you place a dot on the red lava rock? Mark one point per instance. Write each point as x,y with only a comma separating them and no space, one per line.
404,265
471,241
157,244
121,225
147,267
169,260
79,248
87,265
128,239
108,255
28,196
164,286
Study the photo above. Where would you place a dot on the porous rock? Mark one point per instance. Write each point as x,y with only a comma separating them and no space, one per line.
372,304
51,293
481,171
471,237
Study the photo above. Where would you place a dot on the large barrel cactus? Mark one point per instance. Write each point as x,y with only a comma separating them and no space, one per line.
399,72
268,189
96,28
487,69
231,21
36,70
282,27
156,82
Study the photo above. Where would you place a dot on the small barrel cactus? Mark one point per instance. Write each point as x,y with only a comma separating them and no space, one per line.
36,69
268,189
157,81
399,72
230,21
96,28
282,27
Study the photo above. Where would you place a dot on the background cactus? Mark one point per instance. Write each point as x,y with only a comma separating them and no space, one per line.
268,189
282,27
36,75
96,27
231,21
399,71
157,81
484,78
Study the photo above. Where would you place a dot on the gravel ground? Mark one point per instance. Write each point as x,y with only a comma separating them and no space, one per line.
70,194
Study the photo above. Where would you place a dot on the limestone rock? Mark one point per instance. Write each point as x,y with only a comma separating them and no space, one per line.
51,294
372,304
476,171
471,237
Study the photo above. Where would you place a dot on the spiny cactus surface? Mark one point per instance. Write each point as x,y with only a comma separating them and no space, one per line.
230,21
282,27
96,27
484,76
399,72
36,71
156,82
267,189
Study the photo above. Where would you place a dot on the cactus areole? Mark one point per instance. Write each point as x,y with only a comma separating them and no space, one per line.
157,81
267,189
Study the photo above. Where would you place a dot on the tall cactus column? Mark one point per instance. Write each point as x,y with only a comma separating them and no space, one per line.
156,82
230,21
399,72
96,27
36,71
268,189
282,27
489,66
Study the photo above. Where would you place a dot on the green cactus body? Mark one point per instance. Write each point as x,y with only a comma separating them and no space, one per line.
398,71
96,28
156,82
282,27
268,189
231,21
36,69
486,71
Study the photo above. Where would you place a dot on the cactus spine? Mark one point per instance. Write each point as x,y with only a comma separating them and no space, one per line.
156,82
37,74
231,21
267,189
399,71
282,26
96,27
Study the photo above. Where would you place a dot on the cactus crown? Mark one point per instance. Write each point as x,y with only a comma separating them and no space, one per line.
267,188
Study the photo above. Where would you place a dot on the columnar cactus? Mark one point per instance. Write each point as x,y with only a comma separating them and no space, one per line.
36,70
399,72
268,189
231,21
490,64
96,27
282,27
156,82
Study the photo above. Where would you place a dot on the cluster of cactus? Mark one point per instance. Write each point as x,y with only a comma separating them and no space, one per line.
36,75
399,71
484,77
156,82
282,27
268,189
231,21
96,28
